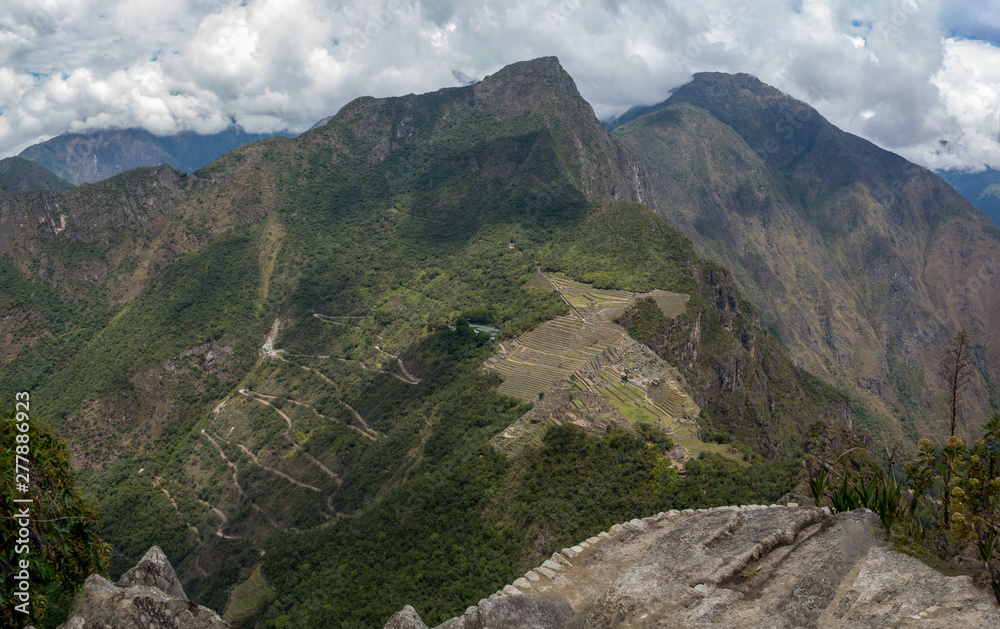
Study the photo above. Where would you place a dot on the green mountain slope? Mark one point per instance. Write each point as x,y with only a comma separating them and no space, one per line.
864,265
264,367
18,174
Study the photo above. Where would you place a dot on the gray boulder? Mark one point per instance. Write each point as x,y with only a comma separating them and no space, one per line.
408,618
524,611
154,570
148,596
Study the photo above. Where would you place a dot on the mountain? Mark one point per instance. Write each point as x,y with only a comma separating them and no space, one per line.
89,157
281,368
981,188
864,265
18,174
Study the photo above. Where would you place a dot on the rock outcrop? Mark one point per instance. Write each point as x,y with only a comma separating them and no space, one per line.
148,596
751,566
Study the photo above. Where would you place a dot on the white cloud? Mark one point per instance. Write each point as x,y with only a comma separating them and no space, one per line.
892,72
969,81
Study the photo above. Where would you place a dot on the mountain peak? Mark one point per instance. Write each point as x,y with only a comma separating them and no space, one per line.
528,86
545,69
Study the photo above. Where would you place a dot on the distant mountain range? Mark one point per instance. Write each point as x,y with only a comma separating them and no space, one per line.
86,158
982,188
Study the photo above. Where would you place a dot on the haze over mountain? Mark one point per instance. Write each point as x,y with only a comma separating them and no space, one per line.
864,264
89,157
981,188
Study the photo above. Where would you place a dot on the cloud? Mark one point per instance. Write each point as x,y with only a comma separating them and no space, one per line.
902,73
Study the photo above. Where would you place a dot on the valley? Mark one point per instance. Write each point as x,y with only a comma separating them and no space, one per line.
409,353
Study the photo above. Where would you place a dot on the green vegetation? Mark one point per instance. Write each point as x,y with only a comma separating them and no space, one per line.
944,508
646,321
248,598
61,548
453,534
18,174
748,389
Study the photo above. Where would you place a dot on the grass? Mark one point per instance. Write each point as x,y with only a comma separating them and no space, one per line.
564,349
425,512
247,597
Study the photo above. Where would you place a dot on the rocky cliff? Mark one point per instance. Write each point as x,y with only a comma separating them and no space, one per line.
148,596
749,566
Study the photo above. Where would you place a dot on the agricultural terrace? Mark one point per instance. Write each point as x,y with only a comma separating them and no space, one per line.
598,358
536,360
552,351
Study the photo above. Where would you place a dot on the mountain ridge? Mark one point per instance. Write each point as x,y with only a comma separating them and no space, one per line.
833,239
18,175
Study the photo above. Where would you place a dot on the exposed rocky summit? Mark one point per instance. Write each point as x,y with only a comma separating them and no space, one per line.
148,596
751,566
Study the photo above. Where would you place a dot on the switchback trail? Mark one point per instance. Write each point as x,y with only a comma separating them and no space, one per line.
274,471
410,378
258,397
239,489
356,414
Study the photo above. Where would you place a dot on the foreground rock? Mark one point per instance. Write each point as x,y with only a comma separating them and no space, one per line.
731,567
148,596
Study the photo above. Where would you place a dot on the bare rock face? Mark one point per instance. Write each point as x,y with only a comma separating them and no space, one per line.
154,570
147,596
408,618
750,566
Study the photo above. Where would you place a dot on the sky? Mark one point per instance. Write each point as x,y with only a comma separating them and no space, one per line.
918,77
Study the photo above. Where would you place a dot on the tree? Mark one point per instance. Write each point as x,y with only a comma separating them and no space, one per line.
61,548
956,369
